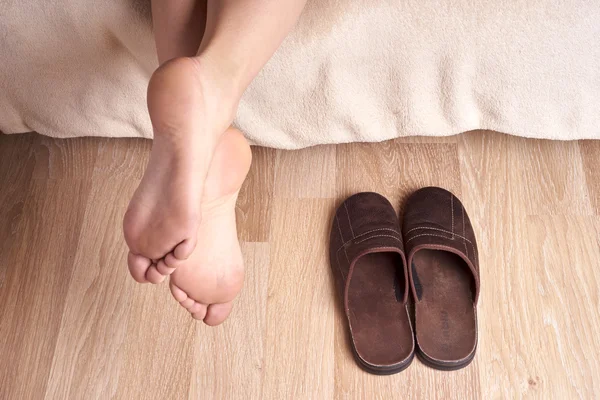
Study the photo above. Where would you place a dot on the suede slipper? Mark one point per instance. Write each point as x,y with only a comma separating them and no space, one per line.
369,267
444,277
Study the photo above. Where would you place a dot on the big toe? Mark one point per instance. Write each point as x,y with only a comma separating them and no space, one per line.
164,267
138,265
217,313
153,275
184,249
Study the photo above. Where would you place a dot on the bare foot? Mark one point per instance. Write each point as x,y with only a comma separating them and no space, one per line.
208,281
189,110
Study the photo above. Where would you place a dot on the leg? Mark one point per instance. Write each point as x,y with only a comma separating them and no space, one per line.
241,35
183,181
178,27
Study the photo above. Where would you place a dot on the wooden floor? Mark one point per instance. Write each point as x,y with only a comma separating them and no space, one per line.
74,325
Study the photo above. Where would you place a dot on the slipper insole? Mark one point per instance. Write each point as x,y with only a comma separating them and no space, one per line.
378,320
445,320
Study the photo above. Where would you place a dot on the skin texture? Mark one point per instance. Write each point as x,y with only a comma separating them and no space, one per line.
181,221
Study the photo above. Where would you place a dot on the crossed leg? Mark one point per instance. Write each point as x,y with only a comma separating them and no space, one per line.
181,220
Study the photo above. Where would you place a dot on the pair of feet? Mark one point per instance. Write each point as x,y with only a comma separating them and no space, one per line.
181,220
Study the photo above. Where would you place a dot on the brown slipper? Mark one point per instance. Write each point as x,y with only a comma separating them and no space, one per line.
367,259
444,277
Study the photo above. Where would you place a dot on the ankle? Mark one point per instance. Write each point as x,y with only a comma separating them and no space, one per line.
226,74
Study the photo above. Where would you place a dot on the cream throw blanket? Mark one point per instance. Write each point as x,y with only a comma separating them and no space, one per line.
352,70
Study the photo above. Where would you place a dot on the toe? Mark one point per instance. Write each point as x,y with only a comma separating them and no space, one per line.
163,268
184,249
138,265
217,313
172,262
187,303
153,276
198,311
182,297
177,293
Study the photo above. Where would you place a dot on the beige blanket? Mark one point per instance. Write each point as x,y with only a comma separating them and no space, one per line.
352,70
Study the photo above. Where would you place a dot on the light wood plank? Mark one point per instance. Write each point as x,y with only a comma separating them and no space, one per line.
546,177
253,208
590,152
305,174
85,364
558,297
501,186
122,159
157,353
64,159
16,169
38,271
229,359
299,359
492,200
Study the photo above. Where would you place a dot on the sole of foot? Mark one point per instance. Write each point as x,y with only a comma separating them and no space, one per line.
206,283
163,217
